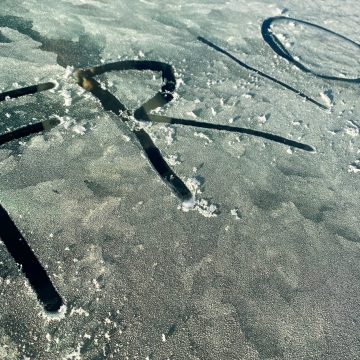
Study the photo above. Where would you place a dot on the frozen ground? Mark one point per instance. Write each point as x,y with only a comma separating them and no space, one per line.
265,266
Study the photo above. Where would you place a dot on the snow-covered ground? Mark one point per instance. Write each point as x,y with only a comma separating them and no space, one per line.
265,264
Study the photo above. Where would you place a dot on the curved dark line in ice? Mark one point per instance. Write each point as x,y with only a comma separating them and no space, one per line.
111,103
15,243
273,41
259,72
161,98
27,130
29,264
31,128
13,94
233,129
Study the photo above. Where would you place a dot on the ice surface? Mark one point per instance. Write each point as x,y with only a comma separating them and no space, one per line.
264,261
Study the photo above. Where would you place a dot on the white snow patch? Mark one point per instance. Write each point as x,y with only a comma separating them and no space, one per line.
173,160
235,213
55,316
354,167
203,136
78,311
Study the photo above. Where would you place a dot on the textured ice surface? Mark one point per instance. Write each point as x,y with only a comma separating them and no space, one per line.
274,275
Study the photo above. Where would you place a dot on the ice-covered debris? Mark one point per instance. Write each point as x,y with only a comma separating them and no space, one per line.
78,311
205,208
354,167
96,285
262,119
281,11
173,160
66,94
126,137
328,97
236,214
201,135
179,82
188,205
68,72
51,316
247,95
79,129
75,355
56,85
170,135
352,130
194,184
192,114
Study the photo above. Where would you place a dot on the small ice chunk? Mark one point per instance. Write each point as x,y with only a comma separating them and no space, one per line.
262,119
68,72
352,131
236,213
205,208
126,137
66,94
173,160
328,98
50,316
188,205
194,184
354,167
79,129
202,136
170,135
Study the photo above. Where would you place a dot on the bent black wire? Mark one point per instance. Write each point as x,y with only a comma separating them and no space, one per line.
14,241
12,94
204,125
111,103
27,130
259,72
273,41
162,98
11,236
29,264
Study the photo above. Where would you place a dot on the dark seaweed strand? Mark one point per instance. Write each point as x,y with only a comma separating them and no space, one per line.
11,236
111,103
260,73
273,41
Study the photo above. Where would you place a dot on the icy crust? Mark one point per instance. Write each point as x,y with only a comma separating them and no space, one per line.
262,261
